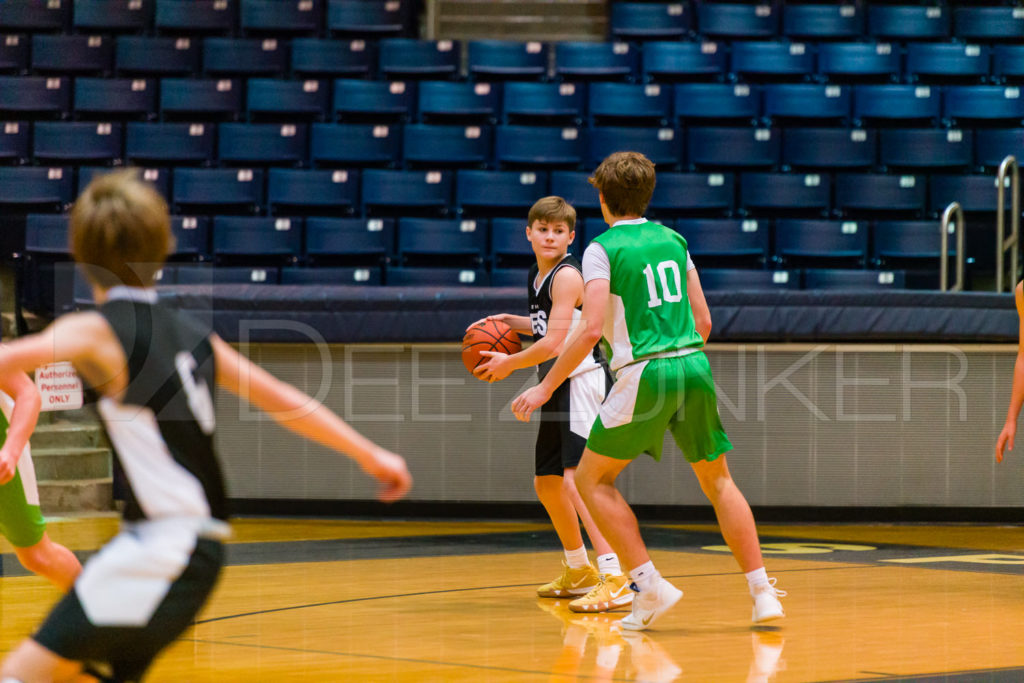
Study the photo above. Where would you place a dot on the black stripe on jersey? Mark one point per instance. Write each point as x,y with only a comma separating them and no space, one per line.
541,303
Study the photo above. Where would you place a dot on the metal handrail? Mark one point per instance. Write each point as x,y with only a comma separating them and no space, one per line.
952,211
1002,241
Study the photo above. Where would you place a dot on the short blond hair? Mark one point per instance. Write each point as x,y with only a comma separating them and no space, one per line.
552,210
120,230
626,180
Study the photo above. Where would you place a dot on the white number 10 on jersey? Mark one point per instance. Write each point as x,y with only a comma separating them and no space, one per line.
669,292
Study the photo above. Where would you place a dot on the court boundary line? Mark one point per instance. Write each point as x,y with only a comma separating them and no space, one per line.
926,676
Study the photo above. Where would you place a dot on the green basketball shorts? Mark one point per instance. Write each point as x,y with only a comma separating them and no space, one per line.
21,521
651,396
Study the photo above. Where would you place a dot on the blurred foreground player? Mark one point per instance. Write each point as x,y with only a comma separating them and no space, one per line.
154,370
1006,437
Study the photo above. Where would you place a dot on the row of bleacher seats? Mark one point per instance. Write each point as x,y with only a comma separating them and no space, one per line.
417,145
437,101
475,193
841,20
406,58
279,17
501,241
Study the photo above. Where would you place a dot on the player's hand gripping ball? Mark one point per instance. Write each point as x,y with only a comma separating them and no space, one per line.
488,335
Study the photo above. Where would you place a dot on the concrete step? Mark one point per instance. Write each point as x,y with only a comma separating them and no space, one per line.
67,435
66,464
76,496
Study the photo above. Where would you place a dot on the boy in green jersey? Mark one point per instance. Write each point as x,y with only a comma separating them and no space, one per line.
21,522
655,321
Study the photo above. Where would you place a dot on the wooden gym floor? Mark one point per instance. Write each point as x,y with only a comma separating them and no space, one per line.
331,600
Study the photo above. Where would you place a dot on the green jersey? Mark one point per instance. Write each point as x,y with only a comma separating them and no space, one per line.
648,311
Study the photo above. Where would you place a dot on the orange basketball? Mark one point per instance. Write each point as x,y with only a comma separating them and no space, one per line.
490,335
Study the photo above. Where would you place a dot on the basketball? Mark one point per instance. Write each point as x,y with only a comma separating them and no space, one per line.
490,335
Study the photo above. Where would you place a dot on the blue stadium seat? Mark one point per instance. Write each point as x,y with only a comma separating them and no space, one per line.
829,148
441,241
59,54
663,146
789,192
351,275
733,147
47,233
274,99
736,20
244,57
322,58
909,22
600,61
509,277
14,145
32,15
14,54
821,242
683,61
35,95
410,58
504,59
807,101
159,178
500,193
689,193
983,102
109,16
195,16
926,147
940,62
223,189
901,103
376,100
157,56
115,97
404,192
77,141
323,192
195,274
361,18
354,144
283,144
772,60
436,277
898,241
1008,63
717,101
725,240
649,20
992,145
859,61
988,23
629,103
441,101
36,186
334,240
509,246
974,193
539,146
253,236
191,237
276,17
200,99
574,187
839,279
446,146
858,193
738,280
544,102
175,143
823,22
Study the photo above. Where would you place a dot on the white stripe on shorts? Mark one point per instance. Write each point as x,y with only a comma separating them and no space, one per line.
586,393
620,405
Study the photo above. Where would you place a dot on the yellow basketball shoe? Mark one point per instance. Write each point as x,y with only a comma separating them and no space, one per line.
571,582
612,593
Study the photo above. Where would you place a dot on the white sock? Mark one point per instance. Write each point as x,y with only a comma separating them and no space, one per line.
757,578
609,564
645,576
577,559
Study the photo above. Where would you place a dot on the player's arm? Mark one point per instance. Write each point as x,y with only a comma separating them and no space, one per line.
698,304
1006,437
306,416
566,290
27,403
519,323
595,302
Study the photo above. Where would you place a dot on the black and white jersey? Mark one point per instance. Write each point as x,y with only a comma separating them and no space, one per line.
162,429
540,310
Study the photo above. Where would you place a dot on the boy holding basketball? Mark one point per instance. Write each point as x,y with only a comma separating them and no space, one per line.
555,293
642,294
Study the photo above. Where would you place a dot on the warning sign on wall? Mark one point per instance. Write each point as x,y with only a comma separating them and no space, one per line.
59,386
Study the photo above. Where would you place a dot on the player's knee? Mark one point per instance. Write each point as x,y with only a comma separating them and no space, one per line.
36,559
547,485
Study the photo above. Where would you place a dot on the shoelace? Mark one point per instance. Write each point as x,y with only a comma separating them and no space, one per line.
779,593
596,589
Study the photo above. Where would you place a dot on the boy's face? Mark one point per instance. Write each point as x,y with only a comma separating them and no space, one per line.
550,239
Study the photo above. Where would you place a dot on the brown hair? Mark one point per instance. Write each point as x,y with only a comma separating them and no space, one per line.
120,230
552,210
626,180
